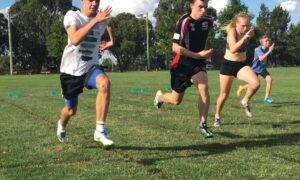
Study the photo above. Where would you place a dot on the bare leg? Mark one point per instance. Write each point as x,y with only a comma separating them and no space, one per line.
245,87
268,85
200,80
225,86
102,104
246,74
66,114
241,89
174,97
103,98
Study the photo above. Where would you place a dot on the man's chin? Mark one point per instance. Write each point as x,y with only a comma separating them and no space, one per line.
93,14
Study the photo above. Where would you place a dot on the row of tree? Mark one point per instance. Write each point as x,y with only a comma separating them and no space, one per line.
38,35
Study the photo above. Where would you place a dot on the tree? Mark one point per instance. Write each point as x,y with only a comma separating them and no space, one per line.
228,13
4,65
56,40
32,20
130,44
263,21
167,13
279,20
3,34
293,37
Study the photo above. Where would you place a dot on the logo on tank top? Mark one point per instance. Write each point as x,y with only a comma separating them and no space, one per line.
192,27
205,26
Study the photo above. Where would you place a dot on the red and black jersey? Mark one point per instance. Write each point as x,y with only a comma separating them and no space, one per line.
191,34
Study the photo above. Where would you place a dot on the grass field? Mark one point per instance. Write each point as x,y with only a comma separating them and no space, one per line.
150,143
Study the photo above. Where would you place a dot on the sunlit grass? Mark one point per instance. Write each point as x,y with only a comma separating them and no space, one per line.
150,143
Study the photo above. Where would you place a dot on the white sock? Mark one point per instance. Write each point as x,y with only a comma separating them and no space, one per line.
100,127
60,126
243,103
158,99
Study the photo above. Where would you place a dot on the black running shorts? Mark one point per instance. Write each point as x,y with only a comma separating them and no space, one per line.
71,86
264,73
231,68
181,79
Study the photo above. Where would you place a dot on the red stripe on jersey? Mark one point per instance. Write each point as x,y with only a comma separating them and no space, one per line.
186,27
184,31
175,60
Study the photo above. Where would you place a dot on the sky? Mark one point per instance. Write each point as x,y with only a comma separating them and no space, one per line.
139,7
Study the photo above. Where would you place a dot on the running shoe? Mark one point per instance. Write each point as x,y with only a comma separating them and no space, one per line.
268,100
217,122
239,91
61,133
247,109
156,103
204,130
103,138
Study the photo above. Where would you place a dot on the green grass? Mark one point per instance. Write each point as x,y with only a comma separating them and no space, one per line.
150,143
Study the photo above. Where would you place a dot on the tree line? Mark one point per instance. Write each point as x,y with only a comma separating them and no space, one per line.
38,35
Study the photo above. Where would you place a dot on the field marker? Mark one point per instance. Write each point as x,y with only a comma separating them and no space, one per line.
168,88
143,89
133,90
19,94
10,93
53,92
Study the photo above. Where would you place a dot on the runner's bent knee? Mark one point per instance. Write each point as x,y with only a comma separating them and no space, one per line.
255,84
103,84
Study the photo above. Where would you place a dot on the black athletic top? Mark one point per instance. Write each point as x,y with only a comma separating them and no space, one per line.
191,34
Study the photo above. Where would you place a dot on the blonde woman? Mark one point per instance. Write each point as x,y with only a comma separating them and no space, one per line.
234,64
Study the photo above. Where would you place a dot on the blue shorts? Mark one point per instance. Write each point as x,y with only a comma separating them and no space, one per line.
89,81
71,102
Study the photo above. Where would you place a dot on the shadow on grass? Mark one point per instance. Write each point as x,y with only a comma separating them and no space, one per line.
284,124
267,122
274,104
228,135
284,104
204,150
